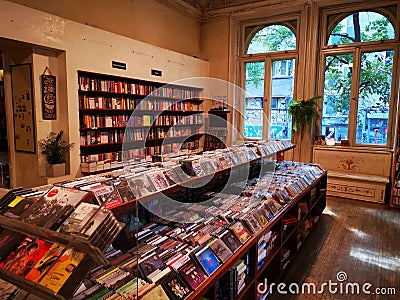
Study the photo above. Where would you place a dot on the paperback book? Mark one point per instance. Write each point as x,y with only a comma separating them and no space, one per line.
208,260
175,287
61,271
240,231
192,274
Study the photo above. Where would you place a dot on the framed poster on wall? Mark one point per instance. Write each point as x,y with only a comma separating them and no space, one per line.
23,108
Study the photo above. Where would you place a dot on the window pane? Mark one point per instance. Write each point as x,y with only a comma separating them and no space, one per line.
374,97
272,38
253,110
282,95
337,88
362,27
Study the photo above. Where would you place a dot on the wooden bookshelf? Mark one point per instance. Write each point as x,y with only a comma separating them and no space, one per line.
273,267
216,133
114,110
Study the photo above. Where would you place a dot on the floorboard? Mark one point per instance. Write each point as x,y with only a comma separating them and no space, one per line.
359,238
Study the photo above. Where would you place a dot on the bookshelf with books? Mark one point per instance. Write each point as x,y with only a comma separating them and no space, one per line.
151,118
216,133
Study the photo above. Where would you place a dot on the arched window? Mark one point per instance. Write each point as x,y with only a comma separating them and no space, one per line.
357,86
269,61
364,26
272,38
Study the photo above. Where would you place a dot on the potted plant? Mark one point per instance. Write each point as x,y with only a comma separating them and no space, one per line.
303,112
55,148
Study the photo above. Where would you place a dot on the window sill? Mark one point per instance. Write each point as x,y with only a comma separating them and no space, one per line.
366,148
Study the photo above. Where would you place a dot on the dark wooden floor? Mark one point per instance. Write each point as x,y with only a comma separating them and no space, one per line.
361,239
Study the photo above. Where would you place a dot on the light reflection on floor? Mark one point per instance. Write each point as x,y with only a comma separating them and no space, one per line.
376,258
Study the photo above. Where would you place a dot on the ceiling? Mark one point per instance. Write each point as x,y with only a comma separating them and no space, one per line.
203,10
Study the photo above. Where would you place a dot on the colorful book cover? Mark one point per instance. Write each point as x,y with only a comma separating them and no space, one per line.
221,250
150,264
17,207
175,287
62,269
45,263
51,205
102,192
197,169
9,240
261,217
25,256
159,180
240,231
208,260
192,274
231,241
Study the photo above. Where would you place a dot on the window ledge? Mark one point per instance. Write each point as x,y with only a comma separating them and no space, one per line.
366,148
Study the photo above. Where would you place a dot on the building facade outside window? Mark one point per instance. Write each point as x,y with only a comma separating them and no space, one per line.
358,65
269,62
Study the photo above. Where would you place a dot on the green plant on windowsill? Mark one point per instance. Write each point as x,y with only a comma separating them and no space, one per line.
303,112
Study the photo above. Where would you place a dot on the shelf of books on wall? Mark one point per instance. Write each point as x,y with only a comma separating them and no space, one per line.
232,237
216,133
115,110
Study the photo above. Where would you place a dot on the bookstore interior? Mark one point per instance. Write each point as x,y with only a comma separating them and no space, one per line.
190,149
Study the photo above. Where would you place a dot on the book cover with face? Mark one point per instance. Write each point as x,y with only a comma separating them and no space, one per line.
192,274
175,287
46,262
22,260
59,273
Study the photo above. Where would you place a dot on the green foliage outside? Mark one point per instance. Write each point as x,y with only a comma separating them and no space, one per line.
375,75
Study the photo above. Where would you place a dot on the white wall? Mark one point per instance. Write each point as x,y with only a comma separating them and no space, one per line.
86,48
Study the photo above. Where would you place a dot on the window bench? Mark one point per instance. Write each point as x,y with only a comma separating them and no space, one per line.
356,173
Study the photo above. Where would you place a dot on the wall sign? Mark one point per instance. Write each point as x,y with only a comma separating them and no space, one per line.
118,65
156,72
23,113
49,108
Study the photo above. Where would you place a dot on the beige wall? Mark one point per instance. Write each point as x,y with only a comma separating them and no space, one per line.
145,20
215,47
75,47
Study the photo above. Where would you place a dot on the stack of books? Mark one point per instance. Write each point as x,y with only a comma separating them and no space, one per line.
265,245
